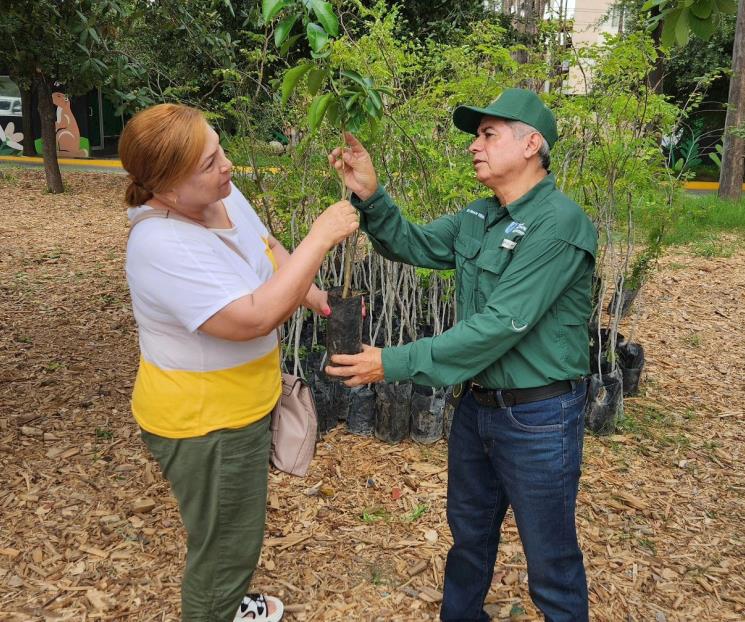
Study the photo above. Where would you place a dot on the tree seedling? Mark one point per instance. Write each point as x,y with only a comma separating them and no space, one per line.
343,97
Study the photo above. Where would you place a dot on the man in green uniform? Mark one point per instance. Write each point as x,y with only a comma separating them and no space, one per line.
524,258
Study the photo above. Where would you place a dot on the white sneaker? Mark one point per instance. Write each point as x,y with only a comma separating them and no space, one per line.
259,608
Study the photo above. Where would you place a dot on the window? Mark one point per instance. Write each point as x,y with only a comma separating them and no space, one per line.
10,98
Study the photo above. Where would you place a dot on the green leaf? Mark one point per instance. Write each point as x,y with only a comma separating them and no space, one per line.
325,14
283,29
270,8
355,121
354,76
372,111
727,6
317,110
324,54
351,101
94,35
317,37
376,99
332,112
651,4
289,82
667,37
683,28
288,44
702,28
315,79
702,9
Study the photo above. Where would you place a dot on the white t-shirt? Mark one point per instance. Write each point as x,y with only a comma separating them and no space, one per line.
180,275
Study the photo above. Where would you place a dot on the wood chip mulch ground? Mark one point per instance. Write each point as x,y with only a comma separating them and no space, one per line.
89,531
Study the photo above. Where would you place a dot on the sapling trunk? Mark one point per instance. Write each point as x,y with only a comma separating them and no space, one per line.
350,244
344,326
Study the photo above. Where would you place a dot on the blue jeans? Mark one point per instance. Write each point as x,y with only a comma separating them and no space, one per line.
527,456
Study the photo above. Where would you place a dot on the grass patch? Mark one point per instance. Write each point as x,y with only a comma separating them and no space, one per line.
9,175
699,215
415,514
104,434
696,219
643,421
373,515
713,246
655,424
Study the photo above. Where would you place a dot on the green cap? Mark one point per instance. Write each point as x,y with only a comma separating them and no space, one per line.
515,104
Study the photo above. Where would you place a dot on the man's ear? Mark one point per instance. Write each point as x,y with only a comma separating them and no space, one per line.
535,141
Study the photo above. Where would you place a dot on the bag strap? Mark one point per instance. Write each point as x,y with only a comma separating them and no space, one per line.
167,213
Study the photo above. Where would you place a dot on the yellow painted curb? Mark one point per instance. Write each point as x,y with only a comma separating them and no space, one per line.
73,161
689,185
703,185
245,170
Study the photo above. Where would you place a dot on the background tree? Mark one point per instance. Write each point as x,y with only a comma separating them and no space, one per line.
698,58
731,175
68,42
137,51
702,18
439,20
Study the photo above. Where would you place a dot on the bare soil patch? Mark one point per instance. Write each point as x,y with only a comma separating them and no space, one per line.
89,530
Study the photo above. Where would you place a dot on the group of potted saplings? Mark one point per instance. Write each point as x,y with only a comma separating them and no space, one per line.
393,412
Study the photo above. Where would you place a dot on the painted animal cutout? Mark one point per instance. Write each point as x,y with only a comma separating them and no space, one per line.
68,133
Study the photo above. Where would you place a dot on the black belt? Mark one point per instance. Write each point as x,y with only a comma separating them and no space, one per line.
504,398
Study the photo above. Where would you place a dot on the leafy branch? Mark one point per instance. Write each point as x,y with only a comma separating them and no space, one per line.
343,97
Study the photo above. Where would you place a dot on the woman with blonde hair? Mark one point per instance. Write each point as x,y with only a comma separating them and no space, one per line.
209,287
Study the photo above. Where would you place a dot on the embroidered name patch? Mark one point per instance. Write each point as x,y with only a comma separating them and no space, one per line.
470,211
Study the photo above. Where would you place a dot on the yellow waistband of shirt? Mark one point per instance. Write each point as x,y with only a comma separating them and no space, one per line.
185,404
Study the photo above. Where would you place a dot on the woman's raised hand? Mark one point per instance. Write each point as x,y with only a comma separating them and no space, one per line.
335,223
355,167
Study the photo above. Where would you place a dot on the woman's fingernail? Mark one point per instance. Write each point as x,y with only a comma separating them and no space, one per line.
327,311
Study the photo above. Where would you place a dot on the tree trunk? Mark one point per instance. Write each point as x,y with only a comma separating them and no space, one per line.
730,177
656,76
48,135
26,122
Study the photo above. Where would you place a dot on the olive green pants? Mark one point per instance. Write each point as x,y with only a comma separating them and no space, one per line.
220,482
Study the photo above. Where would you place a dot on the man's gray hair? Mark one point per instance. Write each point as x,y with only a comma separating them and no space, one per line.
520,129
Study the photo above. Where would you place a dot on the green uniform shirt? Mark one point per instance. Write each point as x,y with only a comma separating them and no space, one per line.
523,279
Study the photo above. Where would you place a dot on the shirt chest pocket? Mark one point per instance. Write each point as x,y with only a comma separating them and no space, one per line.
466,251
491,264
